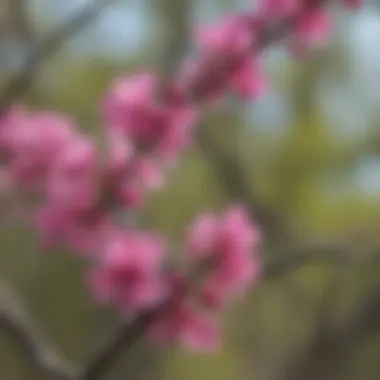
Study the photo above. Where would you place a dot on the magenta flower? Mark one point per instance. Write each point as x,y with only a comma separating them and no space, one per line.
127,272
72,183
229,243
82,232
231,35
313,29
132,108
269,10
30,144
127,176
229,61
354,4
191,329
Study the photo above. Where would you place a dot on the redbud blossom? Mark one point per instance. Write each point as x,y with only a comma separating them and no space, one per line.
131,108
30,144
228,61
72,183
229,242
127,271
80,231
188,327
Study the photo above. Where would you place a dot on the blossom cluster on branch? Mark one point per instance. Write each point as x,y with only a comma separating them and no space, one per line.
75,188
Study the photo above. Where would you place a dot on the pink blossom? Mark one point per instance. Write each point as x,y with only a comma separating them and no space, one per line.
354,4
132,108
314,28
229,242
72,182
231,35
120,152
203,236
127,272
192,329
127,182
229,61
274,9
82,232
249,80
31,142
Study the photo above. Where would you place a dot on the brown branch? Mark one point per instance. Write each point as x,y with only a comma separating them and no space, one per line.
130,333
17,323
20,83
176,19
15,319
229,171
228,168
324,357
20,22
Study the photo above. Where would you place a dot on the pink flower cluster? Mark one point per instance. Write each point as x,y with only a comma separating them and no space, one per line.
230,50
224,252
128,271
75,189
222,249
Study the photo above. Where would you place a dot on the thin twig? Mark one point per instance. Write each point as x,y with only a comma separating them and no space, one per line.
327,351
20,21
20,83
130,333
229,171
228,168
16,321
15,318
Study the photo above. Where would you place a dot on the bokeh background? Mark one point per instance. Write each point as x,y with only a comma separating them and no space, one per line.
305,158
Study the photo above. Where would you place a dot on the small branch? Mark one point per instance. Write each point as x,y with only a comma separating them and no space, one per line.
330,346
307,254
16,321
230,173
121,341
228,168
19,20
20,83
130,333
176,19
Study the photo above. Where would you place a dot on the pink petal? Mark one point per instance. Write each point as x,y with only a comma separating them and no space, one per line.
201,334
249,81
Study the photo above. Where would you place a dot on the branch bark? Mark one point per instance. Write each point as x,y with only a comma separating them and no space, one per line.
20,83
130,333
328,350
18,324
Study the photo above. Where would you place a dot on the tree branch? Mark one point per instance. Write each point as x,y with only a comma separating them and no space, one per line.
130,333
16,321
229,171
19,20
327,351
20,83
